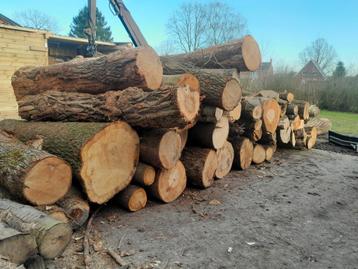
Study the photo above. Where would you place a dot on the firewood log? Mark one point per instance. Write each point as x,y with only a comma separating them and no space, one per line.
200,165
251,111
75,207
259,154
169,184
233,115
166,108
210,114
160,148
288,96
243,54
144,175
16,246
32,175
210,135
94,150
132,198
292,110
138,67
52,236
225,156
303,109
243,149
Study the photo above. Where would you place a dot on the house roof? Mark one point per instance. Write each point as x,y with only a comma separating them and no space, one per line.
8,21
311,69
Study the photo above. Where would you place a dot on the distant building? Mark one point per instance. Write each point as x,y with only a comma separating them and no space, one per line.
265,71
311,72
7,21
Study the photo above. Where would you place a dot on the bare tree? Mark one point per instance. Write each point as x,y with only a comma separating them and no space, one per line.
223,24
187,25
196,25
322,53
36,19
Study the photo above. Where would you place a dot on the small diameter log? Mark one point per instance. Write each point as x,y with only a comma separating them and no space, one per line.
138,67
94,150
233,115
243,54
210,135
311,137
259,154
303,109
55,212
250,110
243,149
160,148
225,157
144,175
268,139
132,198
271,113
284,123
283,136
75,207
168,107
16,246
52,236
169,184
200,165
251,130
288,96
296,123
210,114
292,110
268,94
283,105
32,175
269,151
314,111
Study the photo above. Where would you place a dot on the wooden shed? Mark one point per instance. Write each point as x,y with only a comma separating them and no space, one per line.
20,46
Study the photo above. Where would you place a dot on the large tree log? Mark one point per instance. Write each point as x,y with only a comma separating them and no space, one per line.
243,149
52,236
243,54
139,67
160,148
166,108
210,135
144,175
16,246
94,150
225,157
75,207
169,184
132,198
200,165
182,80
30,174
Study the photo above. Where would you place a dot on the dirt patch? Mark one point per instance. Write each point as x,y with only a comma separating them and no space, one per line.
299,211
324,144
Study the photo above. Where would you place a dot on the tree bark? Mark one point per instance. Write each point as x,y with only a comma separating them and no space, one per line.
166,108
144,175
251,111
183,137
210,135
30,174
138,67
52,236
200,165
132,198
210,114
243,54
251,130
16,246
288,96
225,157
303,109
292,110
94,150
169,184
243,149
160,148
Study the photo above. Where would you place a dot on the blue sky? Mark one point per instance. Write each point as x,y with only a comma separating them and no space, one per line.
282,27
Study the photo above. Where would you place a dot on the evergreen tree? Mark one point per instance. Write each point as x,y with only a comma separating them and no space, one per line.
340,70
80,23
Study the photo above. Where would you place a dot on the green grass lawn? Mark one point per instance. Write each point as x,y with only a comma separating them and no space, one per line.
342,122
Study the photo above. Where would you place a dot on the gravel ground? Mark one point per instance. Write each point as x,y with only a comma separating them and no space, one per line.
299,211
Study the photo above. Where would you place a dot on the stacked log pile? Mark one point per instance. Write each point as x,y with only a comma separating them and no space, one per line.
127,132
